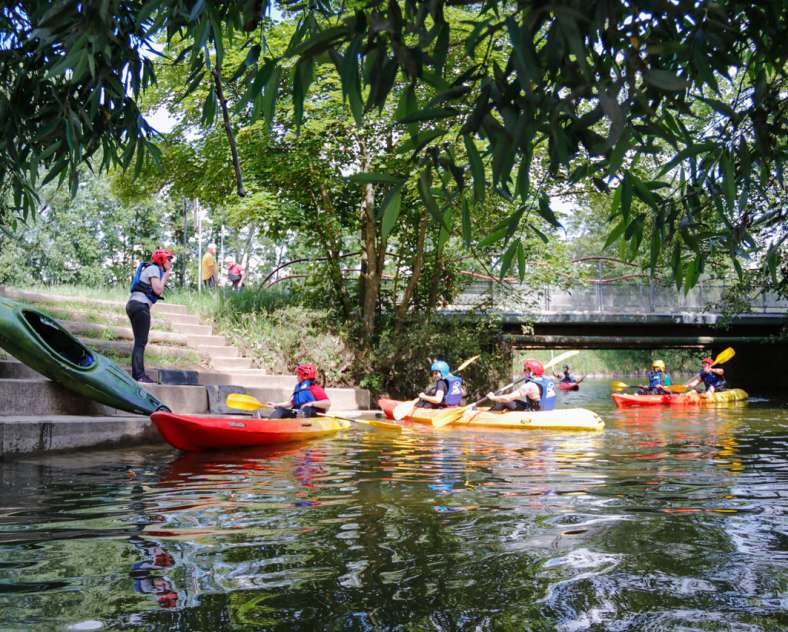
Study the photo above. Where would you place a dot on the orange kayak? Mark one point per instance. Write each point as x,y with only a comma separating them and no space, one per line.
559,419
190,433
690,398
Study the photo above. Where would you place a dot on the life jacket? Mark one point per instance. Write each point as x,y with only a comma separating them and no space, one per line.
302,395
568,378
453,395
656,378
712,379
547,393
145,288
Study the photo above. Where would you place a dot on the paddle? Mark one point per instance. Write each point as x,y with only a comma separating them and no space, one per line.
618,385
242,401
723,356
405,409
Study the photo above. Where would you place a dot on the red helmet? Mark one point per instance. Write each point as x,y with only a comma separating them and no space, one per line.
708,360
160,256
306,371
535,367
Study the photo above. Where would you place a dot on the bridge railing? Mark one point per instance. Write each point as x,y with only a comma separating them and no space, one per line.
619,298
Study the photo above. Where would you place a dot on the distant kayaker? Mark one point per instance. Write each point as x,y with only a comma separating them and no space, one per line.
447,390
566,377
658,380
147,287
235,273
308,400
210,273
536,392
713,378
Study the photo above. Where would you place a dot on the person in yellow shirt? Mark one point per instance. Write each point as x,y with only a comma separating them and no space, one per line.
210,273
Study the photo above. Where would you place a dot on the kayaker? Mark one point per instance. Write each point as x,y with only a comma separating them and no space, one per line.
210,274
308,400
658,380
536,392
235,273
566,377
447,390
147,287
713,378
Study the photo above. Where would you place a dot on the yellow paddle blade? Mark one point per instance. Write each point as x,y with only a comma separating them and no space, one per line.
448,416
468,362
618,385
385,425
404,409
677,388
242,401
724,356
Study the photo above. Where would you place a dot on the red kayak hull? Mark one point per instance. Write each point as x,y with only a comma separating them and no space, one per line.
569,386
690,398
191,434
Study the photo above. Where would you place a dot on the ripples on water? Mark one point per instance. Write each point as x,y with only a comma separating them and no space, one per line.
670,519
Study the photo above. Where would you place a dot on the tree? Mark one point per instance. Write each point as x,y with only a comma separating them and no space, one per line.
605,87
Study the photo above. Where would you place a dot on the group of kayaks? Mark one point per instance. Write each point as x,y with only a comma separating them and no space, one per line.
43,344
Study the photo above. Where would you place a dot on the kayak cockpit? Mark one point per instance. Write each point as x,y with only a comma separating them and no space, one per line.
59,340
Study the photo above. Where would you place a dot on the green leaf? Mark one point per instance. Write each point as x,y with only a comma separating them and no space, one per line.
615,234
692,274
728,180
391,209
477,169
269,97
521,260
496,235
546,212
428,114
772,263
665,80
466,222
687,152
506,260
626,196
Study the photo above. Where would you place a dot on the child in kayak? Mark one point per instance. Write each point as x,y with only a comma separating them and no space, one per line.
567,377
658,380
713,379
308,400
447,390
535,393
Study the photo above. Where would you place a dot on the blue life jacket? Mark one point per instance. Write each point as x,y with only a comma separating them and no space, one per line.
656,378
453,395
712,379
145,288
302,395
547,393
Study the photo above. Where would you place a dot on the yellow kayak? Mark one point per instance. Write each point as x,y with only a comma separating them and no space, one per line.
561,419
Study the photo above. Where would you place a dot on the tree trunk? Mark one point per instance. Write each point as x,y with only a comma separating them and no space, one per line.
370,261
333,250
410,289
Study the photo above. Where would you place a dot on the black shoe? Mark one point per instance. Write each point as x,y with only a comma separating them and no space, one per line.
144,379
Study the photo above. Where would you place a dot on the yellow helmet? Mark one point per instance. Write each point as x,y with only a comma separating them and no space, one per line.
658,364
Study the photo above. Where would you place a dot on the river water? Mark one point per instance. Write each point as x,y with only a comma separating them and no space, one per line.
667,520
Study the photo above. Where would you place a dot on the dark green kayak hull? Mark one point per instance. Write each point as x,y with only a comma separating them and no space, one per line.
45,345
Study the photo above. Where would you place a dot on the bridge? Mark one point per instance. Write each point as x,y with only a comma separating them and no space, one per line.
622,315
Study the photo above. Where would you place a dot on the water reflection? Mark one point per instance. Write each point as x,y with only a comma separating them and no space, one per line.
670,518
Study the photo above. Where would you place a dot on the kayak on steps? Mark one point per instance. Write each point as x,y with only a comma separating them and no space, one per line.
45,345
194,434
559,419
690,398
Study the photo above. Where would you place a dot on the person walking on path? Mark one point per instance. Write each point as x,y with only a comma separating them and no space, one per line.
210,273
235,273
147,287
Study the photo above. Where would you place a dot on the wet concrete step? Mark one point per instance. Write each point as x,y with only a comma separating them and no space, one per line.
228,364
218,352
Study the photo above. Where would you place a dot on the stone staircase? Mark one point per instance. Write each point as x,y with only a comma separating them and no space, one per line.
220,368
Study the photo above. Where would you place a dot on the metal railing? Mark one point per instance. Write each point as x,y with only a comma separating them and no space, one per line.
621,298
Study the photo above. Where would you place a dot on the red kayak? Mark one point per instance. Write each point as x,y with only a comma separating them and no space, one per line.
190,433
690,398
569,386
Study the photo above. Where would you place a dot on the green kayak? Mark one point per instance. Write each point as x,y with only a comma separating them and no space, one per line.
44,345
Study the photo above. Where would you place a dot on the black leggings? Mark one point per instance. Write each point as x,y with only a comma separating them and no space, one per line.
280,412
139,315
517,404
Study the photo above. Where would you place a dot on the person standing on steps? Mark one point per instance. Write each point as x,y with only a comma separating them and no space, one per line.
147,287
210,272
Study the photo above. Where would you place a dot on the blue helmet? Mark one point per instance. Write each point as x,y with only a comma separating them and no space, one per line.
441,367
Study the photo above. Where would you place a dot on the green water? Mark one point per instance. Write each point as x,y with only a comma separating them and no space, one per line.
668,520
